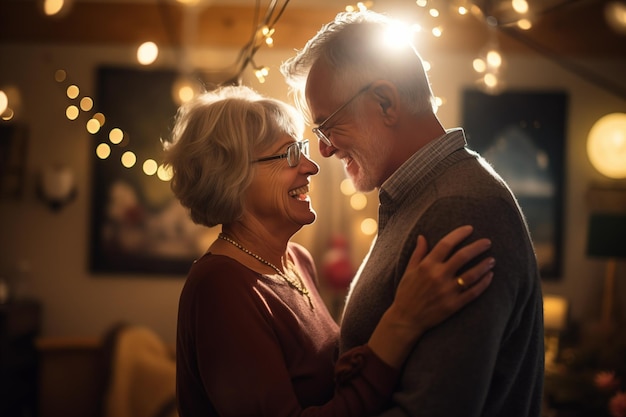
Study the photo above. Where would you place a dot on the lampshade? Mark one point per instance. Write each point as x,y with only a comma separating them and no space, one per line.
606,145
607,235
554,313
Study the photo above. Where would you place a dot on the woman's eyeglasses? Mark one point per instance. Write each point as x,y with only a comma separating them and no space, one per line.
293,153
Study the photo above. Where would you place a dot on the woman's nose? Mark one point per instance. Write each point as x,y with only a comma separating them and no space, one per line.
310,165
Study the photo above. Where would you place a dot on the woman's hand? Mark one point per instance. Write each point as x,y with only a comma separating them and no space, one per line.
430,291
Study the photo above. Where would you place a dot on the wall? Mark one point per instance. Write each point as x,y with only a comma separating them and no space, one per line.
48,251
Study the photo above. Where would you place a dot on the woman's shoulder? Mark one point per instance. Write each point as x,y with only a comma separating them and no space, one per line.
212,270
299,251
216,262
302,257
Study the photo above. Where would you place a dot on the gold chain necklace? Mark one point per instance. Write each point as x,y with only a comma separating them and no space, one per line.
296,285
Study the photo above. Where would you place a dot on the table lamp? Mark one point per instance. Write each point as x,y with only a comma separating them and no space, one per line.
555,312
607,239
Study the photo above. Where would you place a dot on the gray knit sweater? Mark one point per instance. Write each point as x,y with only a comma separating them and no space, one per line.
487,359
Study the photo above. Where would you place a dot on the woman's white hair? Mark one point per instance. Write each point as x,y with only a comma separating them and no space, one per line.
214,140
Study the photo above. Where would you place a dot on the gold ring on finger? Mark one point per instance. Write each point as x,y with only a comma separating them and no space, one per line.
461,283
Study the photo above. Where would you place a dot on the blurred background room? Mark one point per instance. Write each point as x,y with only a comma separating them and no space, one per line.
94,250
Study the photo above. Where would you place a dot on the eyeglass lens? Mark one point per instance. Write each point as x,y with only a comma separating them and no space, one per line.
321,136
295,150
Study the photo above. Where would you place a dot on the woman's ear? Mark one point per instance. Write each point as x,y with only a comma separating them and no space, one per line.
388,100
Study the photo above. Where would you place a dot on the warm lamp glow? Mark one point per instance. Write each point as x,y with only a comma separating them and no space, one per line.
615,14
554,313
606,145
4,101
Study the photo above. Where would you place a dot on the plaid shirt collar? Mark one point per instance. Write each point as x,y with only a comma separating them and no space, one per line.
416,171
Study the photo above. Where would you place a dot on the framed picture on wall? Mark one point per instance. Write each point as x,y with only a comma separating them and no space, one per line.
13,149
522,135
138,227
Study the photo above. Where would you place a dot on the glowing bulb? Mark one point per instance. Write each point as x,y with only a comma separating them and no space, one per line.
490,80
434,12
100,118
116,135
358,201
369,226
52,7
494,59
72,91
93,126
520,6
185,93
147,53
606,145
60,75
479,65
128,159
72,112
397,36
86,103
416,28
347,187
150,167
362,6
184,89
164,174
524,24
4,101
437,31
8,114
103,151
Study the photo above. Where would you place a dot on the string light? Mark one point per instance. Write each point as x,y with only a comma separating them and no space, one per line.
116,135
261,73
488,65
147,53
360,6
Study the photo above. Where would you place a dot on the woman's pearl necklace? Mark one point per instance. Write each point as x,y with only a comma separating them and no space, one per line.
296,285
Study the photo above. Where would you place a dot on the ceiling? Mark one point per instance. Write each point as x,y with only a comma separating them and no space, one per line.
567,27
563,30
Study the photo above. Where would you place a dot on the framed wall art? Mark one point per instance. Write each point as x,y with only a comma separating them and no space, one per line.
138,227
522,135
13,150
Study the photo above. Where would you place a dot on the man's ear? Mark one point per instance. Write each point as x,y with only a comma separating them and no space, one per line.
388,99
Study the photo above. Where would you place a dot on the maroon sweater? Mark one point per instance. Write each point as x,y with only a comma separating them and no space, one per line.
250,345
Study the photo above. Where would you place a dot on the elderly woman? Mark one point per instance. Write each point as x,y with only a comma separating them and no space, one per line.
254,336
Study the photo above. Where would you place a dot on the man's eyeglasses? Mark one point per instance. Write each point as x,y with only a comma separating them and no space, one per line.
318,130
293,153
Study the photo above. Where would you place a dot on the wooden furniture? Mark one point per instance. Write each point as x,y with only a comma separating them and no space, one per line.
70,377
20,324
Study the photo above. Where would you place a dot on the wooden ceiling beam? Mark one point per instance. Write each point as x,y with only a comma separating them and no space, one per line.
579,31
